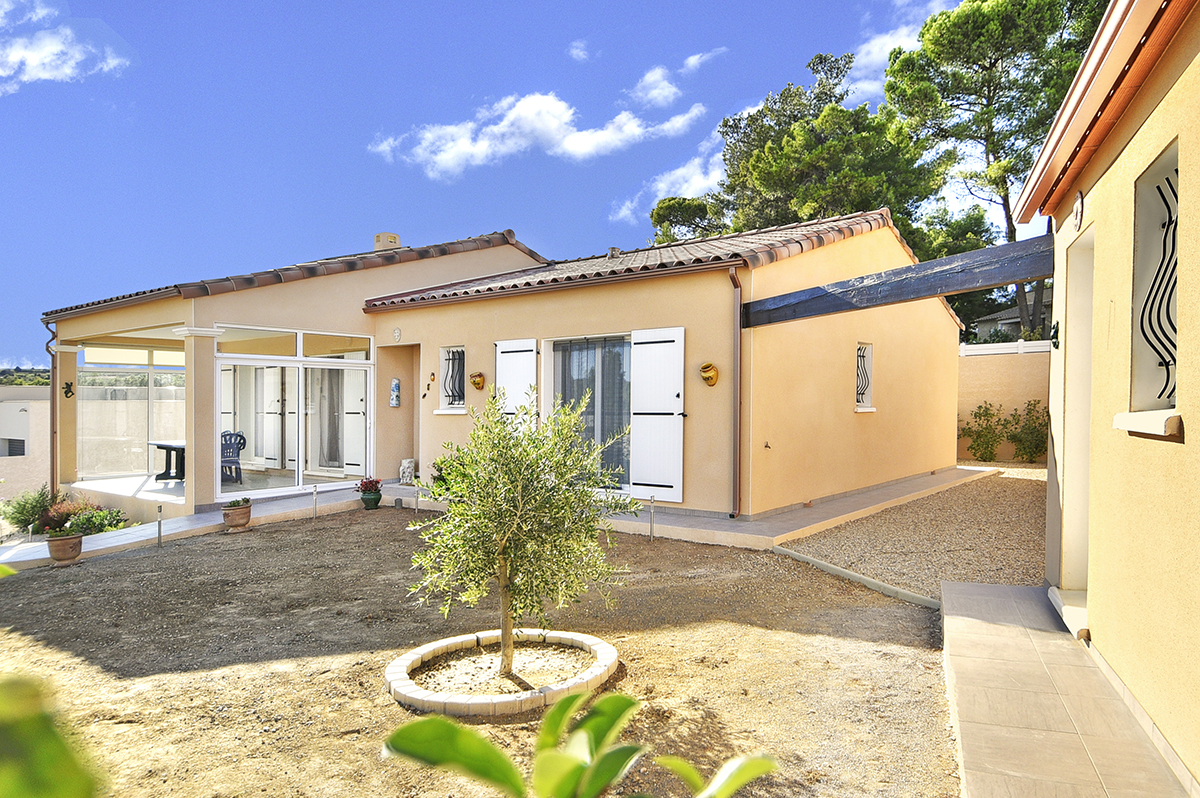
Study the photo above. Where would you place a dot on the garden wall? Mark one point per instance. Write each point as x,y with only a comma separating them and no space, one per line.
1003,374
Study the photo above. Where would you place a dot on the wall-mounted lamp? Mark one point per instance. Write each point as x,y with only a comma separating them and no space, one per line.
709,373
477,380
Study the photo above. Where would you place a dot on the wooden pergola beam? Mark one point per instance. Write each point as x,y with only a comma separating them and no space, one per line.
1019,262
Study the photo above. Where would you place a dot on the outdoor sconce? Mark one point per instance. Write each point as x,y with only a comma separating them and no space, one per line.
477,380
708,373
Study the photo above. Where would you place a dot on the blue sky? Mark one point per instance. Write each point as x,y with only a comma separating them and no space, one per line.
148,143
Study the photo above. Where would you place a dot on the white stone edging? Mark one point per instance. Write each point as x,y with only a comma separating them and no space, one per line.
409,693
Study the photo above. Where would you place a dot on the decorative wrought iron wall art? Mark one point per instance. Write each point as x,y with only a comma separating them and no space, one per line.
1157,318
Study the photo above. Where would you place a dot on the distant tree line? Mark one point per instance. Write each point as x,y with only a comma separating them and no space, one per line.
971,104
19,376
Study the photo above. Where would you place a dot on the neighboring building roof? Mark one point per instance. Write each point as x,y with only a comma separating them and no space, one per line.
754,247
1131,39
1014,313
300,271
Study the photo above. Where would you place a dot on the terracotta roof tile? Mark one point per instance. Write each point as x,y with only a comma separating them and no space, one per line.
754,247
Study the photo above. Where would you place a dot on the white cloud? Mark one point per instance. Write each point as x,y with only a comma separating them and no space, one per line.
696,177
656,89
54,54
23,363
386,147
693,62
871,57
516,124
578,50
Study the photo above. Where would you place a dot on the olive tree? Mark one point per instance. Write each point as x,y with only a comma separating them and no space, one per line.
527,502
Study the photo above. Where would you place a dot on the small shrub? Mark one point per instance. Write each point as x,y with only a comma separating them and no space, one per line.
369,485
1029,434
29,507
998,336
92,522
57,517
987,430
237,502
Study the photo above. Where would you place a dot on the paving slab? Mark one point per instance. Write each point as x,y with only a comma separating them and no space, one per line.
1033,712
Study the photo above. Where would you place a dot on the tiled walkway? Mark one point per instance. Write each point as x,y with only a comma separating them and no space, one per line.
1034,714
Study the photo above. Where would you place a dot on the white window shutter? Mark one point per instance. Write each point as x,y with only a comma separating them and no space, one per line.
656,423
516,370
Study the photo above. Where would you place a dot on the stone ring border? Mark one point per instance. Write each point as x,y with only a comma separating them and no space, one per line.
409,693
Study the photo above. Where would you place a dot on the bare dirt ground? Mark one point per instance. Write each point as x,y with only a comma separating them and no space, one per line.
252,665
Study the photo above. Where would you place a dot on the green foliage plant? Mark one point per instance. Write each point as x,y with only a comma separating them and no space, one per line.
1029,433
56,520
93,522
987,430
242,502
35,760
588,763
527,507
998,336
27,508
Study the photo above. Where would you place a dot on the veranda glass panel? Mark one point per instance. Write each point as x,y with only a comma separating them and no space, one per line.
344,347
168,419
111,422
335,428
234,341
259,435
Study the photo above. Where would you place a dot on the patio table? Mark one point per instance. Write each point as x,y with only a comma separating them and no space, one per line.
175,459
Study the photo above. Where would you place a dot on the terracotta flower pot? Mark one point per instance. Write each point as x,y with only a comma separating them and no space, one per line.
371,500
65,550
236,517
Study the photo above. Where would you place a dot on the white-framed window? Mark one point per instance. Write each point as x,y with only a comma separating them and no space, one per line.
14,428
1155,282
863,374
599,369
453,383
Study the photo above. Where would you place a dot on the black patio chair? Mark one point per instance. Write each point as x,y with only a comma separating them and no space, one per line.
232,444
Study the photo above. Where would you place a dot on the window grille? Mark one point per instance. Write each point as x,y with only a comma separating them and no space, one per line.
862,392
1157,318
454,383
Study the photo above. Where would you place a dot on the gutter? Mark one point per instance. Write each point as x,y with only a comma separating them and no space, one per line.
737,388
53,407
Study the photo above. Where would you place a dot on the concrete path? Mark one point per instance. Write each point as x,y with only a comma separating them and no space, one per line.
764,533
1034,713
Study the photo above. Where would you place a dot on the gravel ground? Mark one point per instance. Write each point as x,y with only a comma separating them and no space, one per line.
239,665
992,530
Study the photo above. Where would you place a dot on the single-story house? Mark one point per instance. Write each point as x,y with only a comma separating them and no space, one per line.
321,373
1009,319
24,438
1117,173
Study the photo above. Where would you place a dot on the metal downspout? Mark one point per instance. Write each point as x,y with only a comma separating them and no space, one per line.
53,408
737,388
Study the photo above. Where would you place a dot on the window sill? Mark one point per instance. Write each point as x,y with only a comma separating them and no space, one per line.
450,411
1159,423
864,410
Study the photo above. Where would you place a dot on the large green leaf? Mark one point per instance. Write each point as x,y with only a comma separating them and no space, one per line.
609,769
556,720
35,761
6,571
557,774
439,742
604,721
684,770
737,773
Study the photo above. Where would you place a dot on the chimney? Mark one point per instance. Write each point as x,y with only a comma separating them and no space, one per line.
614,252
386,241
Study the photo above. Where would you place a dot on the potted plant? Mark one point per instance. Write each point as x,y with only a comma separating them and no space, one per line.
369,490
67,523
237,513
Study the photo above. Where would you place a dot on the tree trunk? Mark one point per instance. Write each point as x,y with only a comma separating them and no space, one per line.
1023,308
506,621
1039,291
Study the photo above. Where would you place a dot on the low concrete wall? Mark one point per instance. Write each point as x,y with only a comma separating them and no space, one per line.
1006,379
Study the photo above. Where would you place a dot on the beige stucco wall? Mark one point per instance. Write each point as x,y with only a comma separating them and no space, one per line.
1143,547
701,303
1006,380
804,375
28,472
